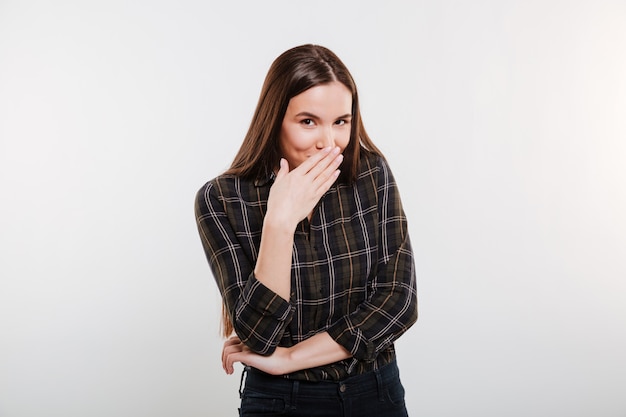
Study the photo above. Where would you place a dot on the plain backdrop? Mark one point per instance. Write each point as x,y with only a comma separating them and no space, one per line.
504,123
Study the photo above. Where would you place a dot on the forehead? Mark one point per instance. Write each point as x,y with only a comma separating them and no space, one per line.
325,98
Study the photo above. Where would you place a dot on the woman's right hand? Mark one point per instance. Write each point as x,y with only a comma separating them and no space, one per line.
295,193
292,197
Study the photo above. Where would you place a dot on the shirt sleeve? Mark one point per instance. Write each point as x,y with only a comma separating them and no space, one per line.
259,315
391,307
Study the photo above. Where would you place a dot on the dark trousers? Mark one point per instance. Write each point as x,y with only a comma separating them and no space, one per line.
374,394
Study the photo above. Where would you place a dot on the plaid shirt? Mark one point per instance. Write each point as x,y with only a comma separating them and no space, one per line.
352,271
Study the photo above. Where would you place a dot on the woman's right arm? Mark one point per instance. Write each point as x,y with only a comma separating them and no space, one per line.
257,313
256,297
292,197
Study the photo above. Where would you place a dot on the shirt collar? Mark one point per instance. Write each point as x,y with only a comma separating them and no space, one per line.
265,180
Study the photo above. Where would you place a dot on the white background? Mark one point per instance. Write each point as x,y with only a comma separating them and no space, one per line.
504,123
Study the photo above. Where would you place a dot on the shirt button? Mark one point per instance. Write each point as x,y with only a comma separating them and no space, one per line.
342,388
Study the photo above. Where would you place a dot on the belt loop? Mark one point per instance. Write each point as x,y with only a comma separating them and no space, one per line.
243,373
379,382
295,387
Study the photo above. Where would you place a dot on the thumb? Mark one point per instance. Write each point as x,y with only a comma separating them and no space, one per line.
283,169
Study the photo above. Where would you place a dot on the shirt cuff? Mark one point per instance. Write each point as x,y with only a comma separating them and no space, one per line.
352,339
265,301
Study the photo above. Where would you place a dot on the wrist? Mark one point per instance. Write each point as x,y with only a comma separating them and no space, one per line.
285,362
278,224
289,361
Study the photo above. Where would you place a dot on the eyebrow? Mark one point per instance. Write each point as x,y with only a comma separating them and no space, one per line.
312,116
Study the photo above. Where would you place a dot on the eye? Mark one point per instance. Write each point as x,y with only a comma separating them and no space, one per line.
342,122
307,122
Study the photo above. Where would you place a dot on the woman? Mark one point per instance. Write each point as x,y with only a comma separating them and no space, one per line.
313,262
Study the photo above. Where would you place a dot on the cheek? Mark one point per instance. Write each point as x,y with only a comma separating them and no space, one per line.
342,140
295,138
302,142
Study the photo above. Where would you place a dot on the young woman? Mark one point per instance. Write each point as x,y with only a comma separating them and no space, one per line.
308,242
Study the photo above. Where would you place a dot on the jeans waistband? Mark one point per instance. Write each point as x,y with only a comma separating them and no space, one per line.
367,382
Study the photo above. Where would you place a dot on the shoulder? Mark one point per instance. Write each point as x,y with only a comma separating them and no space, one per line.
216,188
227,192
374,168
229,185
220,185
217,191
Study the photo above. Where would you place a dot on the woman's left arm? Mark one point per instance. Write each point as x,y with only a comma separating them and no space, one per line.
391,307
317,350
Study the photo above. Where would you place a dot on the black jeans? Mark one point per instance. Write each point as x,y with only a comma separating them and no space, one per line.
374,394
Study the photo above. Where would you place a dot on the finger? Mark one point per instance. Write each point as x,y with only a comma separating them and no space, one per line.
238,356
230,362
233,343
233,340
328,182
326,165
283,168
224,357
240,353
313,160
327,177
227,356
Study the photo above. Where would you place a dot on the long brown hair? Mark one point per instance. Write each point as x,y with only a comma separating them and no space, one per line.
293,72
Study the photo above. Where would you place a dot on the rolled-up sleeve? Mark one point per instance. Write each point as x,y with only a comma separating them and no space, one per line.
259,315
391,307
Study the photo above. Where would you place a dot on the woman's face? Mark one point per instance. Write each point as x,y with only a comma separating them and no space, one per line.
319,117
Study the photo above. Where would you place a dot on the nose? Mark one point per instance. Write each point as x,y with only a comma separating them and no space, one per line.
327,138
